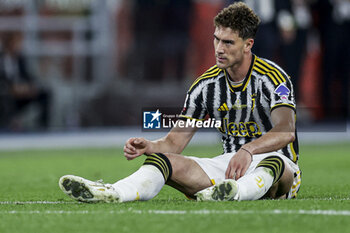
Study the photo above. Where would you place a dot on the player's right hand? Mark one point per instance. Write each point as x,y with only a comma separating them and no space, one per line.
134,147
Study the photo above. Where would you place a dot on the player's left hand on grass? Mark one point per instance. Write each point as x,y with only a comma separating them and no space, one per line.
238,165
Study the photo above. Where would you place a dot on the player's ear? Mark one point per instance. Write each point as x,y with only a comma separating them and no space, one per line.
248,44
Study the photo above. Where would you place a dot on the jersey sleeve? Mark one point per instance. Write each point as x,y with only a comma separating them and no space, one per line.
281,95
194,107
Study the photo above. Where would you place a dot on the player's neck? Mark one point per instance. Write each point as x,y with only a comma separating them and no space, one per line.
238,72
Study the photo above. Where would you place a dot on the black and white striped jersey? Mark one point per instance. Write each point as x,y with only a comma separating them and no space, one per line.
245,109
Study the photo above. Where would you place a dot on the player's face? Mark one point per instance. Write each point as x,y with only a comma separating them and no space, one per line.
229,48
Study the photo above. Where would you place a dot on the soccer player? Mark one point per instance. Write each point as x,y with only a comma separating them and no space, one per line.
253,98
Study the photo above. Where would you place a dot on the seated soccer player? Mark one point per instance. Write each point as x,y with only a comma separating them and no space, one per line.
254,100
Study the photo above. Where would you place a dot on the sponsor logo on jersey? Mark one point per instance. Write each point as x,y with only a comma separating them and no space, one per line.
241,129
236,106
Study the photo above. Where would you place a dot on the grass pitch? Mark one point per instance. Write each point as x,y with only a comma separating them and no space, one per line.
31,201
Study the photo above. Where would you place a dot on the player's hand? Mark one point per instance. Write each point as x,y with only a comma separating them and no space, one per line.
135,147
238,165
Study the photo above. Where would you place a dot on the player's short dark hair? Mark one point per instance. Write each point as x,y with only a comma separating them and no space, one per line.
240,18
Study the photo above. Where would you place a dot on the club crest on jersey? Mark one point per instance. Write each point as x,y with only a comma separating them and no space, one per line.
282,91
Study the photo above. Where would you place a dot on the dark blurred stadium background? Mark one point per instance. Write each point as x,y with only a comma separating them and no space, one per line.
76,64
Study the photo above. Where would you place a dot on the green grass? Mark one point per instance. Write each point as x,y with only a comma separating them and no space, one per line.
33,176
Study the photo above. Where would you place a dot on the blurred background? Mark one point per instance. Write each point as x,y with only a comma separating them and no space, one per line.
94,64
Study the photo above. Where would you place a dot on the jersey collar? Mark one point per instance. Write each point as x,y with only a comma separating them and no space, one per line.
242,86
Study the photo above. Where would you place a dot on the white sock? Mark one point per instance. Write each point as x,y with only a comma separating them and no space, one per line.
254,185
143,185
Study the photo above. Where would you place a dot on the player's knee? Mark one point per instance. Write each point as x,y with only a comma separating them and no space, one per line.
187,175
280,188
182,167
177,164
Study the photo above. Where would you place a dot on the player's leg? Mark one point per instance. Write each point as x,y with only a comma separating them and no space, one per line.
178,171
147,181
272,177
281,187
143,184
186,176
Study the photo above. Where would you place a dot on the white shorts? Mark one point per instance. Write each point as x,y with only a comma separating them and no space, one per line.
216,167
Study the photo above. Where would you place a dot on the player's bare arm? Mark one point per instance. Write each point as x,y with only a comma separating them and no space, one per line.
282,133
174,142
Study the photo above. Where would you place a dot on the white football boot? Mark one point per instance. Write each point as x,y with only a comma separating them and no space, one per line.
224,191
84,190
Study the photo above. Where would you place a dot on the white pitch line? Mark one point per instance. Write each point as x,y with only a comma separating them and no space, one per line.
75,202
322,199
37,202
186,212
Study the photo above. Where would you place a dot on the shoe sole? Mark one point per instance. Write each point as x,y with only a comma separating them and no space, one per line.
76,188
224,191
